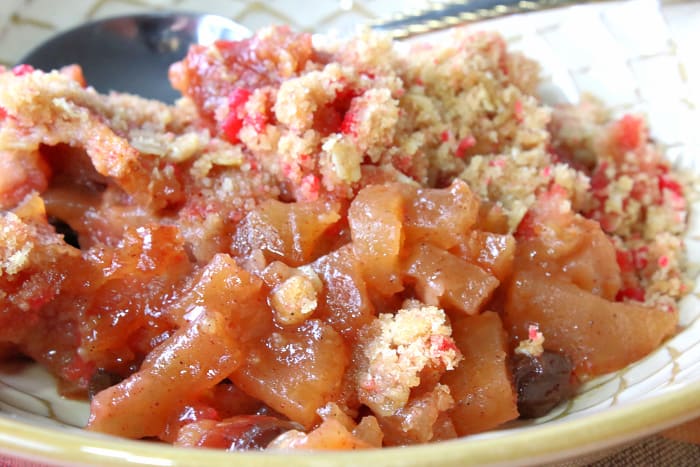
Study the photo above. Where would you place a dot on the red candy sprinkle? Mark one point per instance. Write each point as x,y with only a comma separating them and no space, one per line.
463,145
532,331
640,257
518,110
21,70
233,122
310,187
231,126
624,260
238,98
347,127
443,344
668,183
497,163
257,121
631,293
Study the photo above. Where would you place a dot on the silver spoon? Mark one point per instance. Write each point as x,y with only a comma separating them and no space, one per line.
132,53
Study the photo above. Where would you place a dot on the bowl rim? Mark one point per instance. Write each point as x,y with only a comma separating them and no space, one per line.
549,442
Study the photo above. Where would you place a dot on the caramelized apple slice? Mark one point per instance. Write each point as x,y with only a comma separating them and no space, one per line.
598,335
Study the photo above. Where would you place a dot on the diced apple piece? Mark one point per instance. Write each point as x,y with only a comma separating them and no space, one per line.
330,435
490,251
598,335
344,302
128,282
492,218
481,385
376,229
415,423
296,371
566,245
195,358
369,431
287,232
224,286
441,216
443,279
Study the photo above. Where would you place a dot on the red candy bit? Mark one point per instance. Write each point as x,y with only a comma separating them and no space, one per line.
518,110
233,122
640,257
445,135
304,158
3,113
404,163
663,261
310,187
348,127
231,127
343,104
21,70
599,180
533,331
500,163
625,260
238,98
547,171
257,121
442,344
464,145
630,293
667,182
628,132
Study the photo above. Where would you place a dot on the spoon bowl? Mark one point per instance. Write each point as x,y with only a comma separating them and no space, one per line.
130,53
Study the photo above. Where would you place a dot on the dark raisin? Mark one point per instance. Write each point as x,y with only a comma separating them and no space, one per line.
542,382
100,380
70,236
246,432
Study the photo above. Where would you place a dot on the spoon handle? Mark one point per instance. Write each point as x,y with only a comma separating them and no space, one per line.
441,15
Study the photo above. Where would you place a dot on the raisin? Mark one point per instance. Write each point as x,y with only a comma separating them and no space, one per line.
70,236
246,432
542,382
102,379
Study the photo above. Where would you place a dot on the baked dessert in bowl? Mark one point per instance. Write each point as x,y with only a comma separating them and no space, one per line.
333,246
